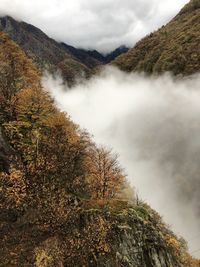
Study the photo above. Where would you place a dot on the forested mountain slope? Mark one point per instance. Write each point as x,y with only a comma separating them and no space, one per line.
174,47
44,51
51,55
56,207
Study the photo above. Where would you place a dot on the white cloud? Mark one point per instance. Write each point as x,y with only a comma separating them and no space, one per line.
154,125
99,24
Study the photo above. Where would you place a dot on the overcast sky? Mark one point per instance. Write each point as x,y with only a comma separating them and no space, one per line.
99,24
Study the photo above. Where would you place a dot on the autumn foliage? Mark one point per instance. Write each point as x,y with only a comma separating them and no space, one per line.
50,173
51,149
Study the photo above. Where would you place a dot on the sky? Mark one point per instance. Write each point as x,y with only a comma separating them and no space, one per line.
94,24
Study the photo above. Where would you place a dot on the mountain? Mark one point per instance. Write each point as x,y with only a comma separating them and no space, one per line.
49,54
56,207
174,47
93,58
117,52
82,55
97,55
107,58
44,51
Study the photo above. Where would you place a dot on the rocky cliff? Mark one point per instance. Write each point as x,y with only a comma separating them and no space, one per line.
128,235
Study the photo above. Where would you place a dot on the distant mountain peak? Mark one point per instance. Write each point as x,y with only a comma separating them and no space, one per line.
48,53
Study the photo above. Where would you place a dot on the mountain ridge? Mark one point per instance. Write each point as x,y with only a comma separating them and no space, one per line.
52,55
173,48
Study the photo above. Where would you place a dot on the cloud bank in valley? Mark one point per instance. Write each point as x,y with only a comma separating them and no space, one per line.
154,125
100,24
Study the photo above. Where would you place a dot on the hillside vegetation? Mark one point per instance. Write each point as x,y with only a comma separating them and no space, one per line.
63,199
48,54
174,47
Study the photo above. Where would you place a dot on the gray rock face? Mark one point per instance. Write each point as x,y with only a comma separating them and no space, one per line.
134,251
132,241
136,244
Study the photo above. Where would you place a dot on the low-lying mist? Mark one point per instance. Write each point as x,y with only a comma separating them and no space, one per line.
154,125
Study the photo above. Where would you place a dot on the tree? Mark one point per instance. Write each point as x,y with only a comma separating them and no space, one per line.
12,189
16,72
105,174
33,105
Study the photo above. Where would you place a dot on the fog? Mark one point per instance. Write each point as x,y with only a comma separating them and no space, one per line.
154,125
